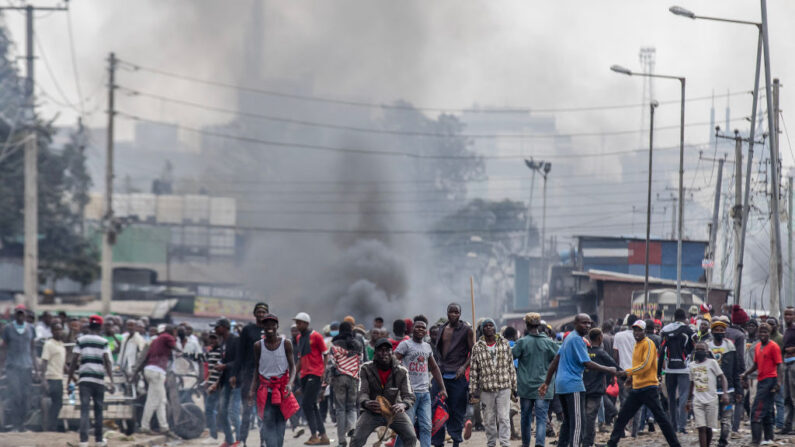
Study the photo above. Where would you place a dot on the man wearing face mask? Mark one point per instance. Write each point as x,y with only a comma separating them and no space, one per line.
725,353
387,379
703,397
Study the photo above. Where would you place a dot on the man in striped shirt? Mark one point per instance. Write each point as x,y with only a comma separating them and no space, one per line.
92,353
346,353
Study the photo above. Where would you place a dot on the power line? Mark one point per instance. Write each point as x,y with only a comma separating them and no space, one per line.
390,153
218,109
136,67
74,62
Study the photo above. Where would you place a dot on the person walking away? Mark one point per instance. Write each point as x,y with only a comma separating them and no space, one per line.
18,340
53,361
346,357
384,396
154,365
595,385
642,377
455,343
311,366
93,355
270,388
227,383
399,329
492,383
569,363
703,397
725,353
249,336
417,357
675,347
768,362
533,352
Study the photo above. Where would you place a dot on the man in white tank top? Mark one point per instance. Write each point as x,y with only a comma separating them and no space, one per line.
275,371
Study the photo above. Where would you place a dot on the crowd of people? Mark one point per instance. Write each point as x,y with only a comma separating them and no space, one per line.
421,381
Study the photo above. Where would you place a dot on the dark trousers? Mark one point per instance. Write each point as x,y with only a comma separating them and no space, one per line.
310,384
211,413
725,417
19,388
246,410
592,404
55,392
226,401
650,397
272,425
96,392
762,413
368,422
678,388
571,430
457,401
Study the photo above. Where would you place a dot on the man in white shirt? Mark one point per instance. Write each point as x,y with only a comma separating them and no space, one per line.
132,345
43,331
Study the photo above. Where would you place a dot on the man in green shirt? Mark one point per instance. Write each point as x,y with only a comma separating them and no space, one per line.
534,352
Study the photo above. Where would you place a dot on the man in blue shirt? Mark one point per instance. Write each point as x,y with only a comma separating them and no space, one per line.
571,361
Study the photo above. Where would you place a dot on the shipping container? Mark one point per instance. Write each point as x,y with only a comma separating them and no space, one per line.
223,211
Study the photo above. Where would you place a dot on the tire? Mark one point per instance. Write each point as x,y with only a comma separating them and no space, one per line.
191,422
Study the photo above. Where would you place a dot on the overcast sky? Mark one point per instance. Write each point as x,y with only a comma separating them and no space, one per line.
536,54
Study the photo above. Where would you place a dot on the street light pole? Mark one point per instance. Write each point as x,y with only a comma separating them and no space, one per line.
653,105
678,10
682,82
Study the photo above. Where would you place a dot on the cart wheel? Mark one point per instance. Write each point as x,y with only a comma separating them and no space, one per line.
191,422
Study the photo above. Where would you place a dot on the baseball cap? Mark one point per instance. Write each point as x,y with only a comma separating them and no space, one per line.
20,308
302,316
382,341
95,320
161,328
271,317
640,323
223,322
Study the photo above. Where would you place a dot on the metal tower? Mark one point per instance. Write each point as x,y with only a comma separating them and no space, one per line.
646,56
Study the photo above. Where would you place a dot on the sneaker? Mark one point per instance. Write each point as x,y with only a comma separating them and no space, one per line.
210,441
312,440
83,444
103,443
298,433
323,440
766,442
467,430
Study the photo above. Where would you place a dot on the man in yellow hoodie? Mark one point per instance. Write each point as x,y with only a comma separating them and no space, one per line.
645,388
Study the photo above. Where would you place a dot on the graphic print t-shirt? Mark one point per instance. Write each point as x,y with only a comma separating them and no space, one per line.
705,380
415,360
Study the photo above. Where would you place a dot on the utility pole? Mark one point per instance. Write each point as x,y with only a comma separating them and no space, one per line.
713,227
31,194
109,236
543,168
652,105
737,209
673,199
790,300
772,113
775,234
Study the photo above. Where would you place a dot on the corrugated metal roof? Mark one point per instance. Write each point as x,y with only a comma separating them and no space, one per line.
604,275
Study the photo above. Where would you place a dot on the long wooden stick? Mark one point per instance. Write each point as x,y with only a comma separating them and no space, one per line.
472,298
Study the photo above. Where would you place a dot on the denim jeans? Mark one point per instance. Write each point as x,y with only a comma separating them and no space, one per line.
229,411
19,390
272,425
676,408
538,408
421,412
89,391
345,391
211,413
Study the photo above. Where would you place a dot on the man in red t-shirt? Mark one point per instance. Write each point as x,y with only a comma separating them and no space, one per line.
311,365
767,360
154,366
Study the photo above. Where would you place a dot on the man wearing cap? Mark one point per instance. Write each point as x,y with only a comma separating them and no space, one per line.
492,381
154,364
18,338
249,336
311,366
645,389
92,353
387,379
533,352
270,383
725,353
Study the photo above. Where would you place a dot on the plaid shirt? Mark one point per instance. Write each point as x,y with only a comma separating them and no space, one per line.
492,373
